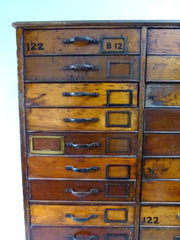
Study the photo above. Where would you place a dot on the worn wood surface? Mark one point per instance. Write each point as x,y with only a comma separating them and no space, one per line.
159,233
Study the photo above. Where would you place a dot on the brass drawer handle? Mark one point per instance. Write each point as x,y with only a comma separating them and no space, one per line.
68,215
81,39
81,67
82,194
92,237
90,145
81,170
80,94
81,120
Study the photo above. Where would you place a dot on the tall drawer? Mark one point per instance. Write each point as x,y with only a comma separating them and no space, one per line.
82,168
81,41
89,119
76,190
81,68
75,215
163,41
71,233
81,94
160,191
64,143
154,216
160,234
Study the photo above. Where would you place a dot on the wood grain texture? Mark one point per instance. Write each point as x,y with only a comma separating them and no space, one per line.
159,233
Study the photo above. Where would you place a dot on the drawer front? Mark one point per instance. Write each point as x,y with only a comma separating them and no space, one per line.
83,144
81,41
162,95
55,119
162,144
76,190
161,191
82,168
160,234
163,41
59,233
162,119
62,215
162,168
81,94
163,69
81,68
160,216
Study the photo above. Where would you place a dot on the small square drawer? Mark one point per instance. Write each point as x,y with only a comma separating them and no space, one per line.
159,234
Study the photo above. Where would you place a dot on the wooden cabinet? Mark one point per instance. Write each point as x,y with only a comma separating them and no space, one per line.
100,129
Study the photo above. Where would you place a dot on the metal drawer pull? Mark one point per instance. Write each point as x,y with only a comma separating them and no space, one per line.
80,94
81,120
81,39
82,194
81,67
90,145
92,237
81,170
178,216
68,215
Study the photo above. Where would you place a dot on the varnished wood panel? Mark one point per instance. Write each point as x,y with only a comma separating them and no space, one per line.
163,69
162,95
159,234
52,41
163,41
161,191
101,94
161,144
109,119
55,215
161,168
160,216
105,68
82,168
162,119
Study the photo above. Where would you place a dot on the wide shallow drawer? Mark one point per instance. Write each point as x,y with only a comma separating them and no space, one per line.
81,41
81,94
76,190
162,144
162,119
81,68
162,95
159,234
161,168
82,168
163,41
163,69
160,216
63,215
79,233
89,119
83,144
160,191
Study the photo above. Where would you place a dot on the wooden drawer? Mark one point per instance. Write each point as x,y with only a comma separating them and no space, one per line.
162,168
82,168
63,215
162,144
81,94
162,95
76,190
83,144
163,41
93,233
89,119
159,234
160,216
81,41
163,69
160,191
81,68
162,119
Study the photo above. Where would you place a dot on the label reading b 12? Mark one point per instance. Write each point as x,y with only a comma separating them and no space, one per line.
114,45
